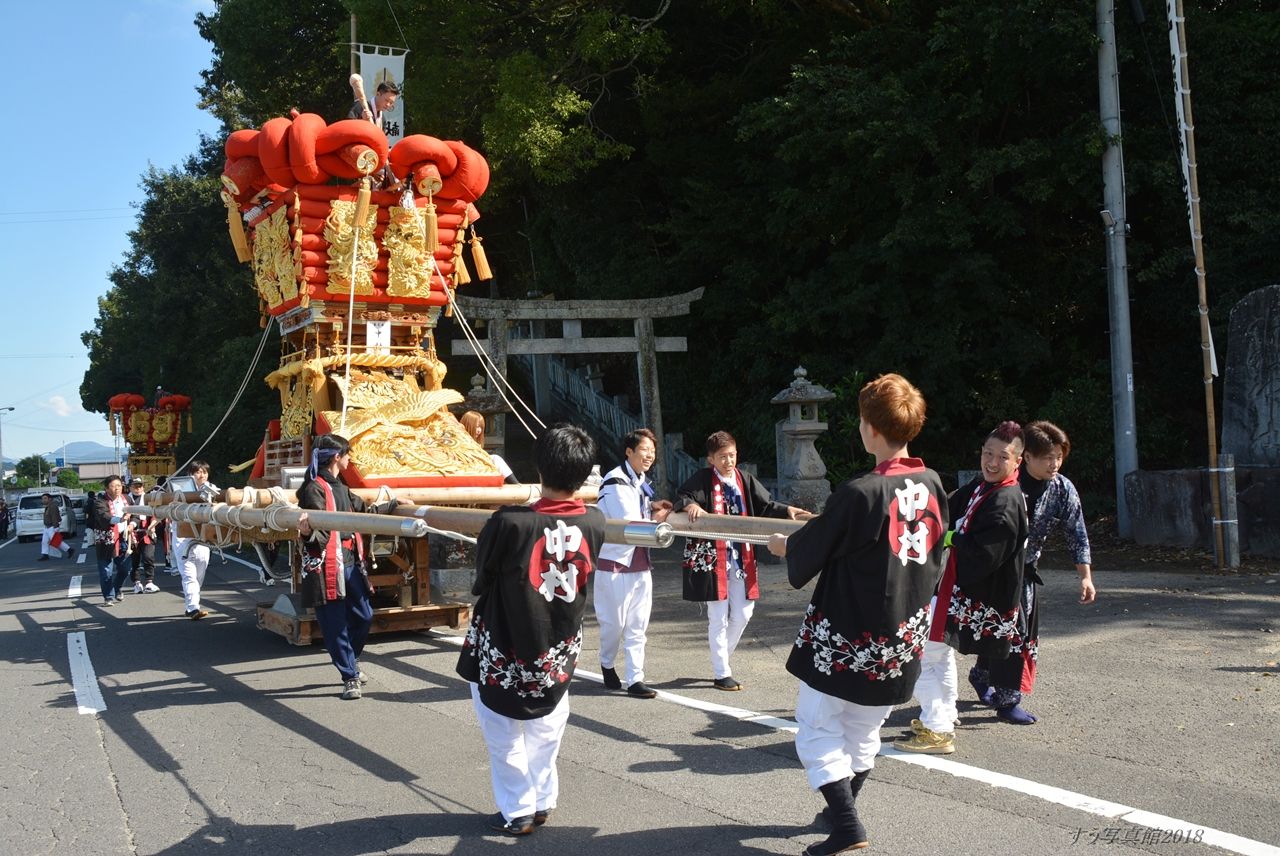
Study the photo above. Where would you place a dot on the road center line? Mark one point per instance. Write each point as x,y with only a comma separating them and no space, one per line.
1048,793
255,567
73,587
83,679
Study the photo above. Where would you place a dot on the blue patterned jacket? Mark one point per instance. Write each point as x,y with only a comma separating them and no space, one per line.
1059,508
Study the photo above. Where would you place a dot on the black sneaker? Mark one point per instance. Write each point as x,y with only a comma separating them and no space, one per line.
43,558
640,690
515,826
611,679
729,685
540,816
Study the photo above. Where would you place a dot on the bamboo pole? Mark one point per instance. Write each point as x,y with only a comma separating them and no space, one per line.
1178,35
755,530
471,520
283,518
507,494
417,521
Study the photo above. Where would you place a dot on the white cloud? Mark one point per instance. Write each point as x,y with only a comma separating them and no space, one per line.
58,405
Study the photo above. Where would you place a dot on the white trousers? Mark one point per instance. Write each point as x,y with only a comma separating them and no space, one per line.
193,561
836,738
522,757
623,603
726,619
45,547
937,689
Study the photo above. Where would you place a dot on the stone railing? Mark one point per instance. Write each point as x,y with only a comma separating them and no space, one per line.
606,417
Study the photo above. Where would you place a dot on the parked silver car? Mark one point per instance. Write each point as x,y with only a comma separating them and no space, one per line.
31,515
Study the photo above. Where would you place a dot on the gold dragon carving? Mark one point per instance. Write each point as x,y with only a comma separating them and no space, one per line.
406,433
408,262
339,231
273,260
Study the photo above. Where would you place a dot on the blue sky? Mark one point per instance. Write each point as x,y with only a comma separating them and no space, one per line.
98,90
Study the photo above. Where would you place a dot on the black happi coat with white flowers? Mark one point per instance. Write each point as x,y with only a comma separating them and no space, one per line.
532,564
981,589
877,552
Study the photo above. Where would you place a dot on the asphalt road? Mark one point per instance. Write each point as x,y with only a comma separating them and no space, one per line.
218,737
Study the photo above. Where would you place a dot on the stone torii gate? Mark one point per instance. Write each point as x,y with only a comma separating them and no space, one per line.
502,315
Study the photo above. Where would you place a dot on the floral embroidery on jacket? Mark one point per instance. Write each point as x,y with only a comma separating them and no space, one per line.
699,556
879,658
982,621
505,670
1032,646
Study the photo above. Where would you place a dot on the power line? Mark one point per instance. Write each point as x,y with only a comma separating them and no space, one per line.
64,211
69,220
57,430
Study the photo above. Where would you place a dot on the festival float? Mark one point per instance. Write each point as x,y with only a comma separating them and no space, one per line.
357,248
150,433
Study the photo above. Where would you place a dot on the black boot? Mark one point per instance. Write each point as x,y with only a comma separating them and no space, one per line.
827,820
847,831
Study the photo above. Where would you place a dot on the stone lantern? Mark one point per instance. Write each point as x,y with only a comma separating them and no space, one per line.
801,472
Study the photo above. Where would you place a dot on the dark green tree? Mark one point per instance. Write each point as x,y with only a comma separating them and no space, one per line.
860,185
34,468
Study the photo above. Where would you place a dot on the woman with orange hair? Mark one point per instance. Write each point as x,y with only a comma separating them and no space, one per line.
474,423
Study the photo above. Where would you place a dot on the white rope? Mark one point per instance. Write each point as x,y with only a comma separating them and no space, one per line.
706,535
486,362
491,369
244,384
457,536
351,318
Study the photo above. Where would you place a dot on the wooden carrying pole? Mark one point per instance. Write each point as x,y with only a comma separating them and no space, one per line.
416,521
1178,45
282,518
507,494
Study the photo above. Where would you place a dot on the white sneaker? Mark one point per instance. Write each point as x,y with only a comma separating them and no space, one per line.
151,588
137,588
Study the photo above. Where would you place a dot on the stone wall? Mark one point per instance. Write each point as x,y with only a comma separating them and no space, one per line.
1251,388
1173,508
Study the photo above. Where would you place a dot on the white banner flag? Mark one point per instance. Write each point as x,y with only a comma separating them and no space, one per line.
380,65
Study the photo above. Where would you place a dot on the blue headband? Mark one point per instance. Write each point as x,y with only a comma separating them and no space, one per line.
320,458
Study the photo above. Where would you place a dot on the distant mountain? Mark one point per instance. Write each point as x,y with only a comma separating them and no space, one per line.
79,452
86,452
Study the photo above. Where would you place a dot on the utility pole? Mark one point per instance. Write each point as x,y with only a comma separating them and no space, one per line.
3,411
1115,220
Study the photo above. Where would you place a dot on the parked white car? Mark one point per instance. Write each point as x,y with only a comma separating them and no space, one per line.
31,516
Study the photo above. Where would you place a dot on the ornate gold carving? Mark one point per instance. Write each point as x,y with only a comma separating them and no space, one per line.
368,390
139,426
295,416
427,363
339,231
413,435
408,263
163,425
273,260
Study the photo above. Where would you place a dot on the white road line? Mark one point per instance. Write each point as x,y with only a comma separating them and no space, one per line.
73,588
1048,793
7,543
256,567
88,694
83,553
